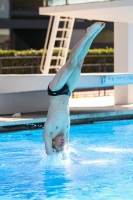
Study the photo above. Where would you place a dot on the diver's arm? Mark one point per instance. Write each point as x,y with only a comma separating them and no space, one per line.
48,143
67,137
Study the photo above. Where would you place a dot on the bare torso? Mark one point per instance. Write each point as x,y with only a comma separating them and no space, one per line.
58,120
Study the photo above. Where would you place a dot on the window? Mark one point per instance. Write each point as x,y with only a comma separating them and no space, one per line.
4,9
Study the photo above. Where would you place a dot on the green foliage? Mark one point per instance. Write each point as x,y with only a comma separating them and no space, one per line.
109,51
15,53
33,52
102,51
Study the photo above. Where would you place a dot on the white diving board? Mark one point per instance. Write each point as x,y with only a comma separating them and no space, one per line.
39,82
28,93
113,11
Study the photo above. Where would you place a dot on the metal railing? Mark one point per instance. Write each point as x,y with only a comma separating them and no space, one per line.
93,92
101,65
31,64
22,65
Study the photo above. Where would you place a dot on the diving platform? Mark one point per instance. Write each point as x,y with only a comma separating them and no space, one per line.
113,11
36,82
121,13
28,93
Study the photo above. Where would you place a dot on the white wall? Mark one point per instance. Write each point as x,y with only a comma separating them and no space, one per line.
23,102
123,60
28,93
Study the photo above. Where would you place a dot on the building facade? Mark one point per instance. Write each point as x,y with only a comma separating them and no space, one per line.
21,27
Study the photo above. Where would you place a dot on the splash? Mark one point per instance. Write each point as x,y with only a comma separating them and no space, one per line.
56,159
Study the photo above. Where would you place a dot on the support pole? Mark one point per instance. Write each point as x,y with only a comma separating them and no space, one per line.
45,44
123,60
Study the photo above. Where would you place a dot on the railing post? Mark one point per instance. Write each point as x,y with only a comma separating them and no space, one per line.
99,66
0,66
38,66
104,64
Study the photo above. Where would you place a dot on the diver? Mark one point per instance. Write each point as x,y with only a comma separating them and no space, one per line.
57,125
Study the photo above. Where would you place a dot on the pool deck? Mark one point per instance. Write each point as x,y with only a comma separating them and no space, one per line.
82,110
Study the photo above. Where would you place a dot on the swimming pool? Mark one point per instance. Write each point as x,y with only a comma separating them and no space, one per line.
99,165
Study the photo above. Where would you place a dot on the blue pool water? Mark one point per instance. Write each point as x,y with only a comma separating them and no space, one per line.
99,165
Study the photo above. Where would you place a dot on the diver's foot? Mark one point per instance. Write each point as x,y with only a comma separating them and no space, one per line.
94,28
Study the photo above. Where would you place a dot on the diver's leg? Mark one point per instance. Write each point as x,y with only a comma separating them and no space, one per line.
64,73
74,77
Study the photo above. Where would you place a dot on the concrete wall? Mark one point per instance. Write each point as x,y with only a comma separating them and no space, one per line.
28,93
23,93
23,102
123,60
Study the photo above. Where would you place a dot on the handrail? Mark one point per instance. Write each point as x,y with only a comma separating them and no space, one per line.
17,57
20,57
